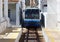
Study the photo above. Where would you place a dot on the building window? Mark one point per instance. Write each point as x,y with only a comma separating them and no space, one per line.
27,2
9,11
31,3
45,5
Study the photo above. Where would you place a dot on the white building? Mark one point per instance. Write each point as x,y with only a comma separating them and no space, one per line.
10,13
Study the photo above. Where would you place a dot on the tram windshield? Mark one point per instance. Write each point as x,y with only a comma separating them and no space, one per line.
32,14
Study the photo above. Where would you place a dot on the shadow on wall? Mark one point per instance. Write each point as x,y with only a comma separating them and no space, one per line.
42,20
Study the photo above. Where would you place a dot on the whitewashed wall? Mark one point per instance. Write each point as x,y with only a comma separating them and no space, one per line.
43,8
3,25
51,17
58,13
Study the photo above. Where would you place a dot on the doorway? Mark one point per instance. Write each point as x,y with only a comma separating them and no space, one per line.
12,13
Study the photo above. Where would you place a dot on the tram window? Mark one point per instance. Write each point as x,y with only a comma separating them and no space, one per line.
32,14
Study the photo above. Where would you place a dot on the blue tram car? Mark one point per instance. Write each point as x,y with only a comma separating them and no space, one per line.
31,17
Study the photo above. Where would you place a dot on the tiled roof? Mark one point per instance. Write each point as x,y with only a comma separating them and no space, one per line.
13,0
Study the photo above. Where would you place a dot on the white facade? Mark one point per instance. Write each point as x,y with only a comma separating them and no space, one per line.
1,9
12,7
17,15
44,5
58,13
3,21
52,18
51,14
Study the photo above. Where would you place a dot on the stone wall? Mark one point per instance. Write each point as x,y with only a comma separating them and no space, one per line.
3,25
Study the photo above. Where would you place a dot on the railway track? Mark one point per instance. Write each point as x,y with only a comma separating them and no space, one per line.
31,35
